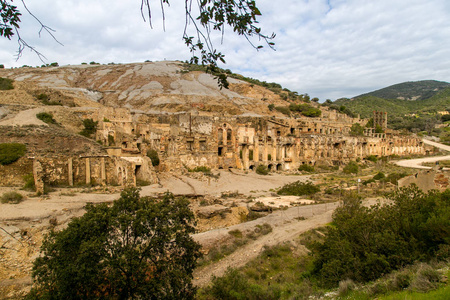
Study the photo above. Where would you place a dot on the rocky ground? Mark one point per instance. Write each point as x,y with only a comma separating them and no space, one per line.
216,201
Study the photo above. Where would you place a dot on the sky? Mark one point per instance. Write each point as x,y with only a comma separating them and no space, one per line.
326,48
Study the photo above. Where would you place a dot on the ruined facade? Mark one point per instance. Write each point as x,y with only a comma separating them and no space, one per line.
189,140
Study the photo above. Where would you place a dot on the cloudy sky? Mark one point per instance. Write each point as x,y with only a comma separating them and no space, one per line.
328,49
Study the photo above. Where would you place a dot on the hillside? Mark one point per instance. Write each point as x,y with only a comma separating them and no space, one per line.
411,90
401,99
158,87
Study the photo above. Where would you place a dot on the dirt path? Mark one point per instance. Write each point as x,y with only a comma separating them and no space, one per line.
25,117
286,226
417,163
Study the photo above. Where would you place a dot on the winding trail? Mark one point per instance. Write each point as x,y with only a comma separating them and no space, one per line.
417,163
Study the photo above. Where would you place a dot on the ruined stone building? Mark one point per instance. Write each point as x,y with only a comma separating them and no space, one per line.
179,113
187,140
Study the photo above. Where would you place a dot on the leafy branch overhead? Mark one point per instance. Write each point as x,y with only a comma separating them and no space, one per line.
214,15
203,16
9,26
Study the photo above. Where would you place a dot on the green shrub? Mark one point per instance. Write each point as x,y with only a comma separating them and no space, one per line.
11,198
46,117
284,110
29,182
299,188
6,84
90,127
45,99
372,158
379,176
351,168
11,152
154,157
306,168
203,169
394,177
262,170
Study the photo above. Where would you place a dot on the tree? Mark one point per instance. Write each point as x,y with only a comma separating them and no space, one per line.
214,15
356,130
366,242
139,248
90,127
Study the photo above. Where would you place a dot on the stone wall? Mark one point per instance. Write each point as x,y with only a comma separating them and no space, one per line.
12,175
427,180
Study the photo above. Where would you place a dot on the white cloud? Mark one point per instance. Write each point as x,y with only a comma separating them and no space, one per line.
329,49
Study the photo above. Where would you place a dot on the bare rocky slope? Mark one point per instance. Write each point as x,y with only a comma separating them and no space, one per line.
153,87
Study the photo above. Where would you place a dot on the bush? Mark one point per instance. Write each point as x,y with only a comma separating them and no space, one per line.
284,110
11,198
203,169
90,127
11,152
46,117
379,176
351,168
154,157
372,158
262,170
299,189
306,168
29,182
6,84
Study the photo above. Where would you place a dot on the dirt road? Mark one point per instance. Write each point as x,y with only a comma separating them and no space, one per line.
286,226
417,163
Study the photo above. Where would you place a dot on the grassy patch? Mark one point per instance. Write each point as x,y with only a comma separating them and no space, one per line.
6,84
11,152
299,188
46,117
11,198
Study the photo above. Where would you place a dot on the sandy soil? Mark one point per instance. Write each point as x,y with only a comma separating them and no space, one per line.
25,117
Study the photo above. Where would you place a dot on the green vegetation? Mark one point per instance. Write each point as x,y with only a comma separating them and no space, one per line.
138,248
203,169
238,239
11,198
276,274
357,130
306,168
6,84
299,188
29,183
415,116
45,99
351,168
262,170
154,157
365,243
46,117
305,109
90,127
11,152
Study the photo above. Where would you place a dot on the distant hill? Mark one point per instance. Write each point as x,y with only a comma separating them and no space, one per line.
427,96
411,90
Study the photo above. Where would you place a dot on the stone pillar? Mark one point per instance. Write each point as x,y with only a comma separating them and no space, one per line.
245,154
256,151
37,174
88,170
70,175
103,171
